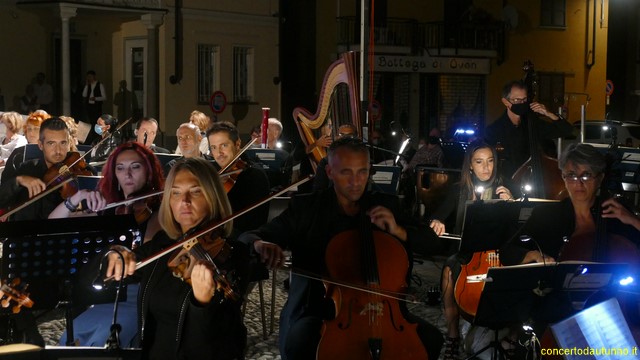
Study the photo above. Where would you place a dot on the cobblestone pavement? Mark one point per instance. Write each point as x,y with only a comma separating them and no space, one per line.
426,276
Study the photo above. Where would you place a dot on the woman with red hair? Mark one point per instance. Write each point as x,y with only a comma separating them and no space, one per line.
131,170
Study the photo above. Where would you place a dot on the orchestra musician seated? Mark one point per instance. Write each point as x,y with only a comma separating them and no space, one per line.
199,319
29,180
189,140
596,231
146,132
307,228
130,171
479,180
244,188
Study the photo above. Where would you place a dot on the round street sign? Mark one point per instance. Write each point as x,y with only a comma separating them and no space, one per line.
610,87
217,102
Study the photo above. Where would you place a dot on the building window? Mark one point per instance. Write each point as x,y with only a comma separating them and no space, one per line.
243,65
208,60
550,90
553,13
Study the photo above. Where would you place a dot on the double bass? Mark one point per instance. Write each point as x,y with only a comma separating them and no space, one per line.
540,171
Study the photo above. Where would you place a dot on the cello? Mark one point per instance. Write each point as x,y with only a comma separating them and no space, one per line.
367,325
540,171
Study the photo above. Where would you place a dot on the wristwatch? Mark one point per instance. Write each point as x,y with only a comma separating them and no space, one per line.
70,206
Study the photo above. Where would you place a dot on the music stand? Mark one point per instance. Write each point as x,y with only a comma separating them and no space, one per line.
488,224
386,178
49,254
510,292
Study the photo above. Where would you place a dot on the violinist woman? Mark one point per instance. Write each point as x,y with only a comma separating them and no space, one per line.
178,320
30,175
130,170
578,219
479,180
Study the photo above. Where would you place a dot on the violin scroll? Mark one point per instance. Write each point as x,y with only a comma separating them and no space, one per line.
14,292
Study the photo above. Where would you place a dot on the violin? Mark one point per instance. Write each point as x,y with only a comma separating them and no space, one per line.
141,207
214,251
73,165
233,173
10,292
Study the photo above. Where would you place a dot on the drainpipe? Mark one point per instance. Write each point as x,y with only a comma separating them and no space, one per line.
177,76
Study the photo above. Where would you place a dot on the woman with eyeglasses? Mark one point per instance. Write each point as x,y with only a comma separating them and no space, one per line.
579,228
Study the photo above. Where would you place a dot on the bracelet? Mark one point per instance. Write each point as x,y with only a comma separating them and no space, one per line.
70,206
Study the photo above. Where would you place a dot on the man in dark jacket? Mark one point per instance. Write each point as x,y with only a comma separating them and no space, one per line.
307,227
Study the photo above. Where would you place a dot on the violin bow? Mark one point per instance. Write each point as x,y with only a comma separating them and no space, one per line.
194,236
237,156
132,200
37,197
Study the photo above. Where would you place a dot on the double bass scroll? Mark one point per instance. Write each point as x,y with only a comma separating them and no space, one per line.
332,107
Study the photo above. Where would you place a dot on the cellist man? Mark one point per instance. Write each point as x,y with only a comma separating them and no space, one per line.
306,228
511,129
54,141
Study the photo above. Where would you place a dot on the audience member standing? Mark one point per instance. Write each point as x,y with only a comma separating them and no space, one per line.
93,96
126,101
43,92
29,102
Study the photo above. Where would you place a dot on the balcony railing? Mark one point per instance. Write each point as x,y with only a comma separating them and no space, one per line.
433,35
153,4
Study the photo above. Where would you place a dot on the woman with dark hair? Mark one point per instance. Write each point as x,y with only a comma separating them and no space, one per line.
178,320
479,180
105,127
596,232
130,170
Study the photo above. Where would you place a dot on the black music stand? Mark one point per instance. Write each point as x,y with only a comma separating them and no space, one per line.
511,292
49,254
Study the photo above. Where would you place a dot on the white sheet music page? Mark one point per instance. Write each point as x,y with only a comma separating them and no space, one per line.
599,332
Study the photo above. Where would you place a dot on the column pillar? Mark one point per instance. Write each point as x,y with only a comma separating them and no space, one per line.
66,13
152,84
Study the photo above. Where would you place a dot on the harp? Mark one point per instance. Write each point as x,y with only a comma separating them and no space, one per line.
338,104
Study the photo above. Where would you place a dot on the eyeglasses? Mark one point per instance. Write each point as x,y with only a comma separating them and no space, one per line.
584,178
185,138
518,100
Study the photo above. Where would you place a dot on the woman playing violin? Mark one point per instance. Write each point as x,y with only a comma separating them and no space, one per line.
578,219
130,170
29,177
479,180
178,320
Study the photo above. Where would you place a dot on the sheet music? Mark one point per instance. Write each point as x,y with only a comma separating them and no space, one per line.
600,329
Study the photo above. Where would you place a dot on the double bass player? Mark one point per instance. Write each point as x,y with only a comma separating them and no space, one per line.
511,129
306,228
